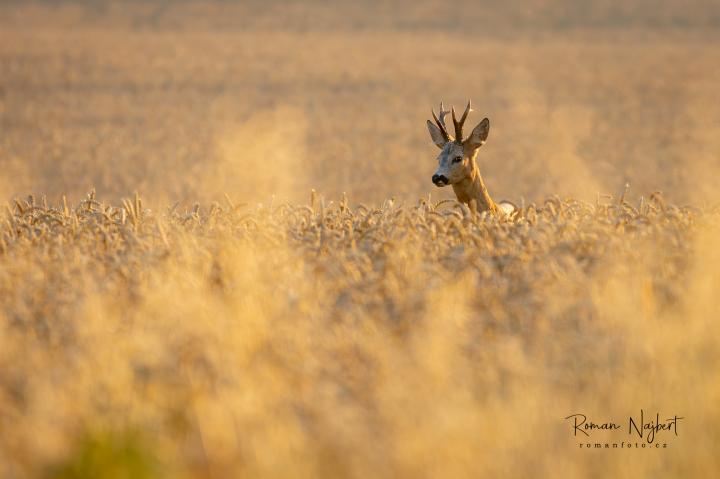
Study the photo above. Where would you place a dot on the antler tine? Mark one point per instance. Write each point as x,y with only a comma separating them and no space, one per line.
468,109
458,128
459,124
440,122
443,132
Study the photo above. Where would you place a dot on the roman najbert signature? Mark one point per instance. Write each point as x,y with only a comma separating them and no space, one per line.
639,426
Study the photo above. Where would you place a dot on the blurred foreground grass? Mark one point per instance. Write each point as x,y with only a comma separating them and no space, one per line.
332,340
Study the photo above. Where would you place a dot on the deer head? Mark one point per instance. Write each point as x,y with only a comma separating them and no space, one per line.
456,161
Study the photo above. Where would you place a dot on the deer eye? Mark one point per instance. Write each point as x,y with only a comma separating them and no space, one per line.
457,159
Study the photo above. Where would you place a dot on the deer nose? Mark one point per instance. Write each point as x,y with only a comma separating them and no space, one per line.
439,180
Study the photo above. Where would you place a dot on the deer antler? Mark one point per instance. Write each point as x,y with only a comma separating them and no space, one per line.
441,122
459,124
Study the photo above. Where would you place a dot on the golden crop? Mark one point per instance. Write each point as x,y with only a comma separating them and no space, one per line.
330,340
220,323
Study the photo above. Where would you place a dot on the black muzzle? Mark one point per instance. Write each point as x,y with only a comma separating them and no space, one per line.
440,180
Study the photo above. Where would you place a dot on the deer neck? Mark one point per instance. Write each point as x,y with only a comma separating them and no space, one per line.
473,188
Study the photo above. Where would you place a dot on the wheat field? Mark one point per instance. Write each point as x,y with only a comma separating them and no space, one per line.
221,254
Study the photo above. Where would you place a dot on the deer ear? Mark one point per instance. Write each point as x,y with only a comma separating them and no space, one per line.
436,135
479,134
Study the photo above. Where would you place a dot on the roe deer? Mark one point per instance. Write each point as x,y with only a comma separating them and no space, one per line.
458,162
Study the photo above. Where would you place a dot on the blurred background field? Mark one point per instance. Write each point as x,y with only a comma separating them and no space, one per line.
224,322
182,100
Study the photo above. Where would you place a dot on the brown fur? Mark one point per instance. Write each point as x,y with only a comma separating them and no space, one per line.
472,188
464,175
